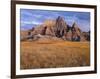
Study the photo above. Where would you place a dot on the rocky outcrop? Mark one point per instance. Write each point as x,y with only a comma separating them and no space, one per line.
55,28
50,24
85,36
76,32
58,28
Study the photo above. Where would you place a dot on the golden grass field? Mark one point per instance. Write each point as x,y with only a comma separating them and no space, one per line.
52,54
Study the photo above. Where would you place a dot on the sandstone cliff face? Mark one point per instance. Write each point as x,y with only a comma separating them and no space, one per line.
38,30
85,36
50,24
69,35
47,28
60,29
56,28
76,32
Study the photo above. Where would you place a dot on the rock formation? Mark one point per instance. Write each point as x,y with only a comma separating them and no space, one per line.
85,36
76,32
58,28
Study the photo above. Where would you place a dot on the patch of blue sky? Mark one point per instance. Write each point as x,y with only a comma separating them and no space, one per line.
32,17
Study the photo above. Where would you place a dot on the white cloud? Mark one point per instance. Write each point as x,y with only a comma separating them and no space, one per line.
30,22
36,22
27,13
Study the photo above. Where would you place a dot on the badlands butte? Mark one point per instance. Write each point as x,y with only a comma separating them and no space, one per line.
56,28
54,44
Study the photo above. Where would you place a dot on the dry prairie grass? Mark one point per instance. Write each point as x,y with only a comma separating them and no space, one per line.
54,54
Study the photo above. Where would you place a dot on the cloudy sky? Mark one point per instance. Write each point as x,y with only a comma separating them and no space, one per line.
30,18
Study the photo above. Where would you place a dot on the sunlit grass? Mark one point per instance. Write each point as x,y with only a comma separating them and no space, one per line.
52,54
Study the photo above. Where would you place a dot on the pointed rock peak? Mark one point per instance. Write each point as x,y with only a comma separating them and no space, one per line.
75,25
59,18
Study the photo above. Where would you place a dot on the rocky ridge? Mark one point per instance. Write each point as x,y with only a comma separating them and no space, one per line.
57,28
